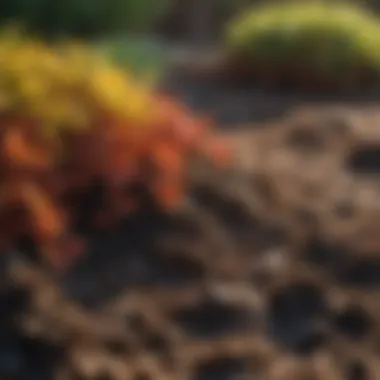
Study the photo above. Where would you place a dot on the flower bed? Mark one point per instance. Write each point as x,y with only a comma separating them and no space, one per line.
71,123
312,45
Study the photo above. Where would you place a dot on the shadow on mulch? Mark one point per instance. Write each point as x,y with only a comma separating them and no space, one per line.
116,260
235,102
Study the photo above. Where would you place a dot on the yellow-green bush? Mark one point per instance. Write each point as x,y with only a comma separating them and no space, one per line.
337,39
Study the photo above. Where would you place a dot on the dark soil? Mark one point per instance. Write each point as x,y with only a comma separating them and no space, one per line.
203,79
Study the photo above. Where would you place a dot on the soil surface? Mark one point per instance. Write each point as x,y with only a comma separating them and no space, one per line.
200,77
270,270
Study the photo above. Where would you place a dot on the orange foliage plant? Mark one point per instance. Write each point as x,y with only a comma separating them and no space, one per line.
68,120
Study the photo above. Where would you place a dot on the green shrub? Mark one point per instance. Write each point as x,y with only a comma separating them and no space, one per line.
84,18
329,38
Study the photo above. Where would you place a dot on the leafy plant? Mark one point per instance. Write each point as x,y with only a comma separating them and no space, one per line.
337,39
69,119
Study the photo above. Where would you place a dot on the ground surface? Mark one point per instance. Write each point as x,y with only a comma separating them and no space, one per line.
198,76
270,271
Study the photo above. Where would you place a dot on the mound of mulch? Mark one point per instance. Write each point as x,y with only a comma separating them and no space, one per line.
234,92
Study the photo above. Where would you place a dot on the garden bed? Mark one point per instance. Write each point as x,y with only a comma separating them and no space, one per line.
280,252
268,266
